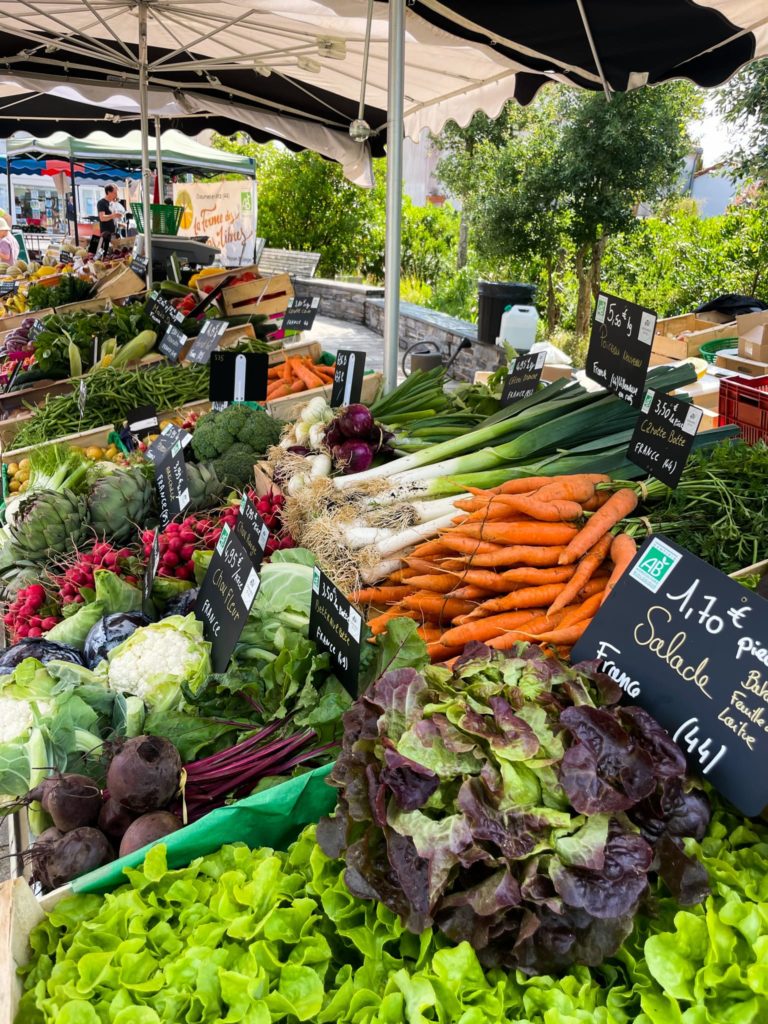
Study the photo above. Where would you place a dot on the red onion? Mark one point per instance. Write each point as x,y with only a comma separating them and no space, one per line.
352,456
355,421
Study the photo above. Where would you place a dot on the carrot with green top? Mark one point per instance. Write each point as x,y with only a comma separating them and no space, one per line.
619,505
585,570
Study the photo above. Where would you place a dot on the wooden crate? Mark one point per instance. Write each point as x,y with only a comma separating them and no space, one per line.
731,360
266,295
7,323
290,407
119,283
97,437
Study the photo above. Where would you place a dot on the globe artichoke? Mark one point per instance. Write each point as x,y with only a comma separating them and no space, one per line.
205,488
48,523
118,503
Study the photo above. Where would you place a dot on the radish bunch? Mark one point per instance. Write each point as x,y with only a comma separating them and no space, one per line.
179,541
32,613
270,508
78,575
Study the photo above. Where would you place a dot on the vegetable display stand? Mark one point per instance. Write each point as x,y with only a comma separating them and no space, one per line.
272,818
288,408
744,401
98,437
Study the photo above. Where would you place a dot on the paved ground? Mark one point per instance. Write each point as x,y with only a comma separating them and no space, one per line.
336,334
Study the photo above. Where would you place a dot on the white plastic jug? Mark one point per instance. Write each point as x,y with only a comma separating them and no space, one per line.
518,327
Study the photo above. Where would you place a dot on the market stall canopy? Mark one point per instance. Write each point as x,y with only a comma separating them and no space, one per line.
297,60
616,45
178,151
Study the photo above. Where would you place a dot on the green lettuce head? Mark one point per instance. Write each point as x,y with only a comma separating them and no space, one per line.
155,660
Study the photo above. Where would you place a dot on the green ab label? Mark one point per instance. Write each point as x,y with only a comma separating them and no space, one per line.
655,565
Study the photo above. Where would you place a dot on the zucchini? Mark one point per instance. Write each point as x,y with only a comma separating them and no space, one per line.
135,349
176,289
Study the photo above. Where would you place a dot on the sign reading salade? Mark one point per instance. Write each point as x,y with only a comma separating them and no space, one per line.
335,625
523,377
620,347
228,590
663,436
690,645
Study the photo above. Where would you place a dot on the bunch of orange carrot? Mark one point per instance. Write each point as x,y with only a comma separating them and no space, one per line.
531,560
296,374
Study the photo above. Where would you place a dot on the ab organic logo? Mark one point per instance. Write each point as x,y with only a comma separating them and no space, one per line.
655,565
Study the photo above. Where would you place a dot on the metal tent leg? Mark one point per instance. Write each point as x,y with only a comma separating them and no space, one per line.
146,179
394,208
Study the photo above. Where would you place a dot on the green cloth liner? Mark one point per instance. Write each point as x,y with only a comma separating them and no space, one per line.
271,818
114,438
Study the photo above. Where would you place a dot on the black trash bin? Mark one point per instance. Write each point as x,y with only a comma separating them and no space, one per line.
493,297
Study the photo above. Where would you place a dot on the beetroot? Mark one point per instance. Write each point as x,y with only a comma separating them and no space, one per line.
148,829
114,820
76,853
144,774
71,800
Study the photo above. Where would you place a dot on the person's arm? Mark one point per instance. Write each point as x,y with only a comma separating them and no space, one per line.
105,216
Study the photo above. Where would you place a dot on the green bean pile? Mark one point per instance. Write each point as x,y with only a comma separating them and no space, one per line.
111,395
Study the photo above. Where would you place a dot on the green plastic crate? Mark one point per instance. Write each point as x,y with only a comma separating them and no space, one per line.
165,219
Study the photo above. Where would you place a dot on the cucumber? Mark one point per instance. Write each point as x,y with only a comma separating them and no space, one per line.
176,289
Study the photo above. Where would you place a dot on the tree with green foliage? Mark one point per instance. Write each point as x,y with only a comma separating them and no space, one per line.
743,105
569,174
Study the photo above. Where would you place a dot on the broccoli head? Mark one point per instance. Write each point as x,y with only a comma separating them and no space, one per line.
235,466
217,432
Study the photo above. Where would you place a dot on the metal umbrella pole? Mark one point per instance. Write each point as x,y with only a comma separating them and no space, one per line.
159,160
146,174
394,206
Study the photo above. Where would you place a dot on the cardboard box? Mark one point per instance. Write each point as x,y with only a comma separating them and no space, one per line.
731,360
748,321
754,344
710,420
694,333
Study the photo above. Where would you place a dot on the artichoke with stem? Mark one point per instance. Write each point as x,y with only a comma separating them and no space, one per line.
48,523
119,502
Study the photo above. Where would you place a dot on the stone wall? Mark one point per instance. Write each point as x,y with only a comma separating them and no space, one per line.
338,300
359,303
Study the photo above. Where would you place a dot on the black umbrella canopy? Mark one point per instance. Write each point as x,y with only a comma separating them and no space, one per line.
612,44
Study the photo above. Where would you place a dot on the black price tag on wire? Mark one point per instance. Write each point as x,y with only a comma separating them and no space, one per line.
82,397
172,343
620,347
152,563
348,378
139,266
523,377
170,435
335,625
172,485
207,341
143,421
226,595
252,531
162,312
663,436
688,644
36,329
300,314
238,377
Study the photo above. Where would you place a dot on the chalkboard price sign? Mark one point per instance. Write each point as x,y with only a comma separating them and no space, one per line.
172,343
238,377
620,347
162,312
523,377
348,378
171,483
143,421
226,595
169,437
207,341
252,531
335,625
36,329
690,645
7,287
300,314
663,436
139,266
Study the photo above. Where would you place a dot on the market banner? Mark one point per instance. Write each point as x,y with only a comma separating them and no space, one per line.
225,211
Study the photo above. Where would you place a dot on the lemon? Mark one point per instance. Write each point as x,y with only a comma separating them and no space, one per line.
14,486
13,468
93,452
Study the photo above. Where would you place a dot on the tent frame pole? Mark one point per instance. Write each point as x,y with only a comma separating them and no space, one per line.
146,191
394,204
159,160
593,48
74,193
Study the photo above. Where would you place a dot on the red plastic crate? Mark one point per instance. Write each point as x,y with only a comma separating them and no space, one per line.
744,401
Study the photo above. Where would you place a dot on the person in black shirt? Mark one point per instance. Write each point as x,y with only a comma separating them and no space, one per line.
107,221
